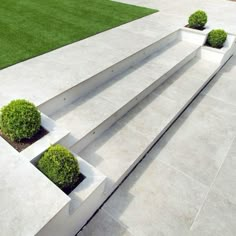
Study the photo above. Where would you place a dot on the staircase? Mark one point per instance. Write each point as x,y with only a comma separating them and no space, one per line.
116,116
121,147
115,121
90,115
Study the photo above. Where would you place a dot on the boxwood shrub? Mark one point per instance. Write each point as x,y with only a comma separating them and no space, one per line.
198,20
216,38
19,120
60,166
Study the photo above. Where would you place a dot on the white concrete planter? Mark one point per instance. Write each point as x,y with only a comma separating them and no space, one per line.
76,208
220,55
194,36
208,53
85,199
55,134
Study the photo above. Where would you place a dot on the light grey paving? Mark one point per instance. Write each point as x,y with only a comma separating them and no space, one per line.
103,225
185,81
27,197
185,185
81,119
157,200
105,155
154,107
223,87
73,64
214,9
115,151
203,135
225,182
107,100
216,218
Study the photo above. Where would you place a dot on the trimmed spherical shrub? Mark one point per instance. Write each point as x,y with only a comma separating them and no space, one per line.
216,38
19,120
60,166
197,20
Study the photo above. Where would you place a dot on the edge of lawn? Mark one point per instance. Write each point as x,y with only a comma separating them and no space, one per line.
149,11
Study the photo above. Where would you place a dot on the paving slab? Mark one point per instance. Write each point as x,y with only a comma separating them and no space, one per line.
105,156
185,185
27,197
184,82
82,120
183,8
223,87
106,101
205,128
104,225
118,148
156,200
46,76
217,218
225,182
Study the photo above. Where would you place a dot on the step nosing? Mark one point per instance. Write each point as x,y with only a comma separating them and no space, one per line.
117,110
108,139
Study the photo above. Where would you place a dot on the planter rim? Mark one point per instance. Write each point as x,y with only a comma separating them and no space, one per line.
55,134
202,32
93,179
225,48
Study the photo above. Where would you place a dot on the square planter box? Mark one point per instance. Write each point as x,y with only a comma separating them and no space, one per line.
86,198
220,55
55,135
208,53
194,36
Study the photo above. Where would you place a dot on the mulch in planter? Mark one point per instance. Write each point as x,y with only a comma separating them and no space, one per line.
24,143
201,29
80,180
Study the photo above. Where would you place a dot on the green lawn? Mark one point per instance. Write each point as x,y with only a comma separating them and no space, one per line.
32,27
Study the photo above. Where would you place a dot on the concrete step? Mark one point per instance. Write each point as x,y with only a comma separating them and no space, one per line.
89,75
92,114
121,147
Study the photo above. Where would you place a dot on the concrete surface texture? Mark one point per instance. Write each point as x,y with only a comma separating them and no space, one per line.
39,80
115,151
107,99
186,184
26,209
221,13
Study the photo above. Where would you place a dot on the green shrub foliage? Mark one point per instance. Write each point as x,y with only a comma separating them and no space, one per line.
60,166
197,20
19,120
216,38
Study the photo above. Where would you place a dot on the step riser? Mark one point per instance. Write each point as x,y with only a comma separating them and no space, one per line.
219,56
82,89
86,140
111,187
108,189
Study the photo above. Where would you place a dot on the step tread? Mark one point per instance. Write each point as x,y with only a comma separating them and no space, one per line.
107,99
120,146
